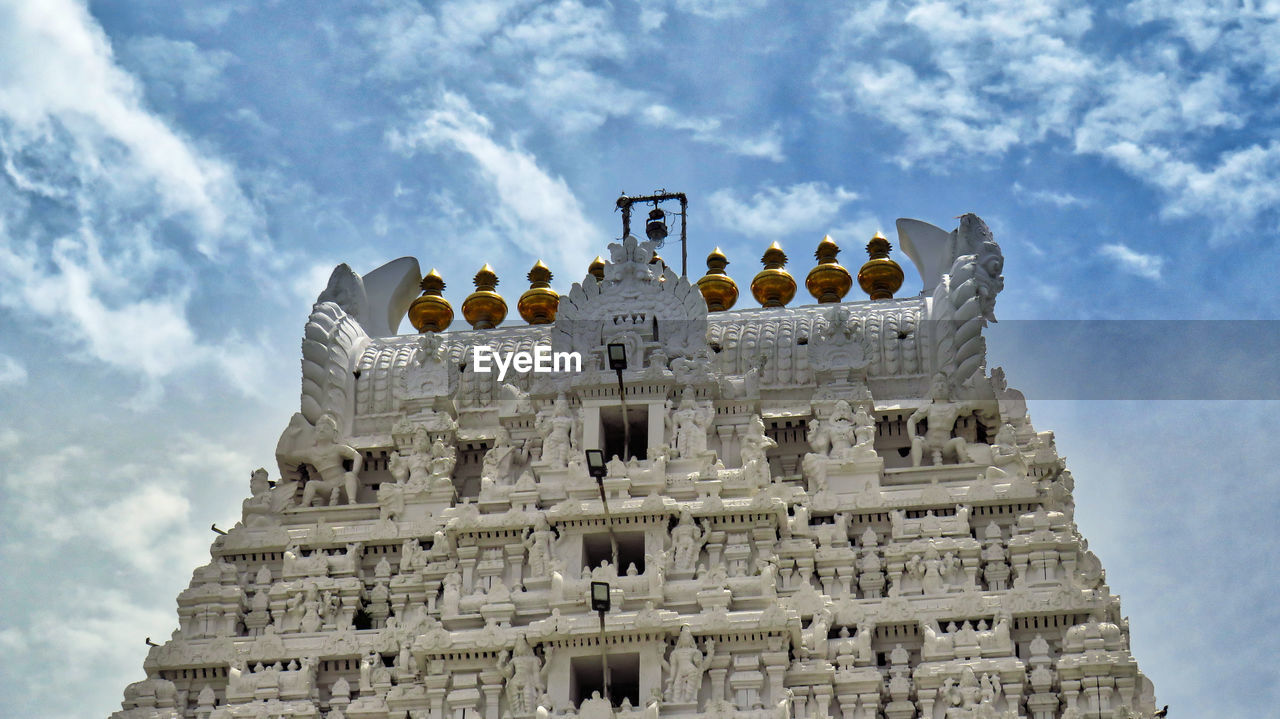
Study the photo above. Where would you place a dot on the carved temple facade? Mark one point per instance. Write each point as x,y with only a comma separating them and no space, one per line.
825,511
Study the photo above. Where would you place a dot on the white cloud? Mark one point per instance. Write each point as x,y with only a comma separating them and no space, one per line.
711,130
179,67
852,235
773,212
110,216
719,9
12,372
1132,261
1049,197
962,80
548,59
61,83
534,206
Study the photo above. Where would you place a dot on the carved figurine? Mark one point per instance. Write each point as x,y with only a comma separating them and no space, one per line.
537,541
558,434
320,448
688,425
1006,459
685,668
687,539
755,446
443,459
941,415
525,675
498,461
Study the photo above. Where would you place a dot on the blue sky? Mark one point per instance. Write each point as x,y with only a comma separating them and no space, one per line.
178,179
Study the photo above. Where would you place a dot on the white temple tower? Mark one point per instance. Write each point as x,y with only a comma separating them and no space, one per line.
825,511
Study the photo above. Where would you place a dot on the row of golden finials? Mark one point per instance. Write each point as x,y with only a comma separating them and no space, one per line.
880,277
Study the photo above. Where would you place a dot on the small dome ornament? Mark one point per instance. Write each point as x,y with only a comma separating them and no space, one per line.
484,309
596,268
717,288
828,282
773,286
539,303
431,312
880,277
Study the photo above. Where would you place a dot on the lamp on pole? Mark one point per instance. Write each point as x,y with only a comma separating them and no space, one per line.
600,603
617,353
597,469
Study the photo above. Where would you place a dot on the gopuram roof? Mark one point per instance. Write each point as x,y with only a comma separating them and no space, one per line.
819,511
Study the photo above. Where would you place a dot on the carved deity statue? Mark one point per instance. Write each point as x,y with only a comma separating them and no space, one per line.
525,675
498,461
537,541
815,636
326,455
685,668
443,459
426,463
941,415
558,434
687,539
755,446
266,502
864,433
688,424
1006,459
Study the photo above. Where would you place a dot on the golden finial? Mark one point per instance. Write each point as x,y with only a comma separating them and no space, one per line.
659,266
718,289
596,269
773,286
880,277
828,282
431,312
538,304
484,308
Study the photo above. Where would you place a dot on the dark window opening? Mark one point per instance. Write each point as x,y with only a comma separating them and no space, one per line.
362,620
466,487
615,436
596,549
586,678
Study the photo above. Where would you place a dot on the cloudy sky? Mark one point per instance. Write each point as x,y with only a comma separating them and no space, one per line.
178,179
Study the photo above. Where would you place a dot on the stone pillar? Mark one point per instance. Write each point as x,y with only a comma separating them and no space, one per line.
657,425
464,698
727,451
491,685
467,557
775,666
821,701
591,438
514,563
719,670
747,681
437,682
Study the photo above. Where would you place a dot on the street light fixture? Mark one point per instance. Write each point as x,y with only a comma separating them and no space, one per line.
617,354
600,596
596,468
600,603
595,463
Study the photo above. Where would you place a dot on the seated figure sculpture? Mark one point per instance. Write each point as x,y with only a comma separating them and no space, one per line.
319,447
941,415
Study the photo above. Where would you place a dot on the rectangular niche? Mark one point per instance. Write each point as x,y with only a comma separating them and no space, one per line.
586,678
596,550
613,437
